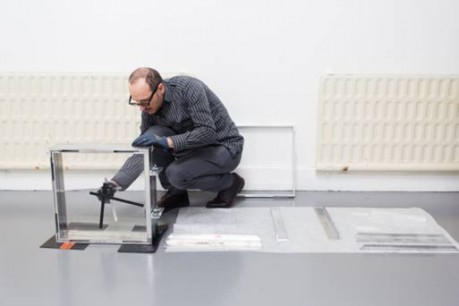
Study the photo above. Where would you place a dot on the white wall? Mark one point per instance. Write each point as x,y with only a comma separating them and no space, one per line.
263,58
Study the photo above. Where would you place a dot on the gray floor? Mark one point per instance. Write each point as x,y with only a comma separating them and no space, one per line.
30,275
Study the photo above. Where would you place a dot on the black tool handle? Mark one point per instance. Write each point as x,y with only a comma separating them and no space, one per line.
102,208
116,199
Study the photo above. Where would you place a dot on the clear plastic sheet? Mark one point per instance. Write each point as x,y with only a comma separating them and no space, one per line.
361,230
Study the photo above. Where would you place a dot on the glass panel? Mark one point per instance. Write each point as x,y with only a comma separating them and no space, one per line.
80,213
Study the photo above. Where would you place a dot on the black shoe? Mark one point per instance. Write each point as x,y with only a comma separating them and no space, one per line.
174,199
225,197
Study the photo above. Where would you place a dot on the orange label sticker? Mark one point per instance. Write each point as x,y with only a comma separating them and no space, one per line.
67,245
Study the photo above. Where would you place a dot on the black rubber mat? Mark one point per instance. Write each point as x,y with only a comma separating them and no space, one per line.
51,243
145,248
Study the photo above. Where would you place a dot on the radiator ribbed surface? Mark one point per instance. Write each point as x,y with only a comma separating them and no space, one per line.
39,111
388,123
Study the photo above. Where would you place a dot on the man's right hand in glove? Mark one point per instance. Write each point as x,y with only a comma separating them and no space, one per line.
107,191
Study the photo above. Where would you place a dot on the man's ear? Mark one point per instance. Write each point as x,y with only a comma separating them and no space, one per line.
161,88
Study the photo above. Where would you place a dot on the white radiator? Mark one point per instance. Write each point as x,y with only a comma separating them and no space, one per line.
388,123
40,111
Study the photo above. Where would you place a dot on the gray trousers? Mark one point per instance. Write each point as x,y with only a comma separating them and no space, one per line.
207,168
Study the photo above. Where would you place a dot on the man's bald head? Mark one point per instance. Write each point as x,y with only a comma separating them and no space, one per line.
151,76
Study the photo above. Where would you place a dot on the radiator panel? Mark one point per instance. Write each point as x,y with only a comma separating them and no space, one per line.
388,123
40,111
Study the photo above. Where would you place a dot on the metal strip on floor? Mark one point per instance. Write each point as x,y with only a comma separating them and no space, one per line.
327,223
279,227
401,238
405,247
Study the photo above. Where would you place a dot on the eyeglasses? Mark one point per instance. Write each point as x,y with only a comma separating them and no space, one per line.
144,102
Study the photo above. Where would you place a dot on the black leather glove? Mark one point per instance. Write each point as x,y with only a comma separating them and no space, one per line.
107,191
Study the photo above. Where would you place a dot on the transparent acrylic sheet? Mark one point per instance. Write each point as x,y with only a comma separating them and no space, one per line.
79,210
305,233
120,219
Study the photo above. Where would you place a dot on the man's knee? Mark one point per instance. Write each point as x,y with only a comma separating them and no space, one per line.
177,177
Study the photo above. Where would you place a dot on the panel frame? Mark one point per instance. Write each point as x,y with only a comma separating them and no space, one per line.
57,154
291,193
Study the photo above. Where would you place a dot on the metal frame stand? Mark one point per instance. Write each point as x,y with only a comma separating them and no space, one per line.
154,227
